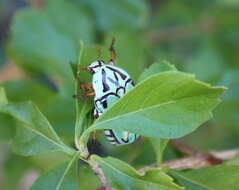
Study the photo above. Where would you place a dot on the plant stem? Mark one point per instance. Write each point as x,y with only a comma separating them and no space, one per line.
79,119
99,172
195,161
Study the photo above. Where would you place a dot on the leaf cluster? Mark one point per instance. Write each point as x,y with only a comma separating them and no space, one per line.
165,104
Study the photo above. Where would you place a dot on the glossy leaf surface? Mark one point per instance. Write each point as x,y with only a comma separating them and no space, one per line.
169,105
32,119
221,177
122,176
62,177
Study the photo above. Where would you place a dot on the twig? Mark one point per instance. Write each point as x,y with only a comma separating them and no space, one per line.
99,172
178,145
195,161
207,157
190,162
225,155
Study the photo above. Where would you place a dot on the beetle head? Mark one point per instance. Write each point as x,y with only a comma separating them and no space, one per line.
95,66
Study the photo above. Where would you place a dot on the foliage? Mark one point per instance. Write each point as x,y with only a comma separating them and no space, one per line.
38,113
193,105
122,176
198,179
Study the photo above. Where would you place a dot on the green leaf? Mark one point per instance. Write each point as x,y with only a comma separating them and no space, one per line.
221,177
32,119
80,26
14,168
159,145
51,105
7,127
85,175
24,90
28,143
3,97
122,176
166,105
126,14
156,68
61,119
82,106
39,45
6,123
45,40
62,177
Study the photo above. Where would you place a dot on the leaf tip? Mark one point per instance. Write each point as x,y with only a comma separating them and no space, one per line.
3,97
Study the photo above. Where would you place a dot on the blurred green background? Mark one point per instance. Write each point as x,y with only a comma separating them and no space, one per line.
39,38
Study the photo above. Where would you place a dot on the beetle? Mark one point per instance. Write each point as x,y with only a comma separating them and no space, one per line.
109,83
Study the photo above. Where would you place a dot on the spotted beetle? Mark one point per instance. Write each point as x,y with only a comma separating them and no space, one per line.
109,83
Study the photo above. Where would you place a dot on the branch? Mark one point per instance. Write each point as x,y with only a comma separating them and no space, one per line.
99,172
196,161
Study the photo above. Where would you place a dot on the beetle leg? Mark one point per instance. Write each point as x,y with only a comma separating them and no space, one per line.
94,135
82,68
89,94
78,96
112,52
85,87
84,95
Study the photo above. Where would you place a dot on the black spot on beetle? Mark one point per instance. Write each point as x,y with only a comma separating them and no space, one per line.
104,103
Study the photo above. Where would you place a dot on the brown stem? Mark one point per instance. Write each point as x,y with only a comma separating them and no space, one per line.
178,145
196,161
206,156
190,162
99,172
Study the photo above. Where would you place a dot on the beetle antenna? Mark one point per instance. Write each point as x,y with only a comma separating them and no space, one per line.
112,52
112,42
99,52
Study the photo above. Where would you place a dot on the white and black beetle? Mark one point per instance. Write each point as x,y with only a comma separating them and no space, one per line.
109,84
